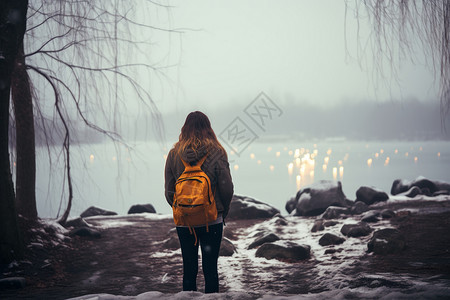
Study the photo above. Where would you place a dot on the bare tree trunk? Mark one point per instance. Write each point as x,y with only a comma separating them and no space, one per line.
12,28
25,144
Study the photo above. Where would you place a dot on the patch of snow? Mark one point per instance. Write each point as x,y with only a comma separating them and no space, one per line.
114,224
166,253
157,216
427,291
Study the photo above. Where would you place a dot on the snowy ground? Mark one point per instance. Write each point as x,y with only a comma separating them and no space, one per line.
332,279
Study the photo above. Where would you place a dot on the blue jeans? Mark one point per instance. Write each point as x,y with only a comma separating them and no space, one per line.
210,244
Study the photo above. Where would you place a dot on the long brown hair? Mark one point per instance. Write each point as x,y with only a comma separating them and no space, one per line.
197,133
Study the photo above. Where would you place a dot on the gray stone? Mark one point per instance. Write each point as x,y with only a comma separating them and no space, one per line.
387,214
356,230
291,204
330,239
316,198
289,251
95,211
244,208
425,185
370,195
330,223
268,238
172,242
227,248
318,225
359,207
334,212
371,216
142,208
386,241
413,192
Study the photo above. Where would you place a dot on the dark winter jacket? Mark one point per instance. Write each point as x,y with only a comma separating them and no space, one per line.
215,166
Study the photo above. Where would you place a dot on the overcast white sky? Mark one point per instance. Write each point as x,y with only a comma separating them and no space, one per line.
293,50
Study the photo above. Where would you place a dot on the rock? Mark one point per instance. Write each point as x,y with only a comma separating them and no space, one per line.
281,222
370,195
268,238
371,216
142,208
316,198
95,211
426,192
359,207
172,242
412,192
12,283
386,241
244,208
330,239
356,230
387,214
333,250
426,186
318,226
334,212
85,232
291,204
329,223
288,251
227,248
77,222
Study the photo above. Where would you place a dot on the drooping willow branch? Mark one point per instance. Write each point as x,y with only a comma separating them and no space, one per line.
399,27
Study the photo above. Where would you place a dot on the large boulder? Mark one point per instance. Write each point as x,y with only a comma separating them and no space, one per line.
142,208
286,250
425,185
386,241
370,195
248,208
356,230
95,211
316,198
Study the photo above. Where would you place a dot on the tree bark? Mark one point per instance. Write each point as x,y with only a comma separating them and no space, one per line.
12,29
25,143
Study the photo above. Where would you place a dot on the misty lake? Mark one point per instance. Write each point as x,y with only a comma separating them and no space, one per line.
115,177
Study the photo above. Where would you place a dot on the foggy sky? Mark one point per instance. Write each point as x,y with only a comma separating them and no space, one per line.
230,51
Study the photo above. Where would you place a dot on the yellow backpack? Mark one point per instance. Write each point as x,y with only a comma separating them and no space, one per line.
193,202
